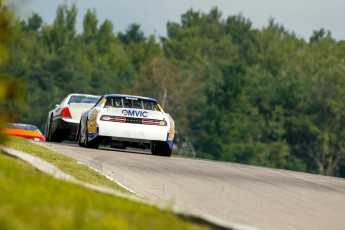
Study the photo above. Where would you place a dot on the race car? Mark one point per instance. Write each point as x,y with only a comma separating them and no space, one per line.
62,122
27,131
127,121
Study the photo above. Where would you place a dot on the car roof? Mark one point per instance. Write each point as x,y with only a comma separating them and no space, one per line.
130,96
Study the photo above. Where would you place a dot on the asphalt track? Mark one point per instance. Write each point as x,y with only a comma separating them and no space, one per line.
251,196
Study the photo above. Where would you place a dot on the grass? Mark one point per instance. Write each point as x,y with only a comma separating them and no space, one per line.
64,163
32,200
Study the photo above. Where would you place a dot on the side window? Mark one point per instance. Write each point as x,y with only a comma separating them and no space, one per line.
156,107
148,105
137,104
127,103
108,103
113,102
117,102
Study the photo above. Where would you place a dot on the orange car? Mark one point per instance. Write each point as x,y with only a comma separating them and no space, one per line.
27,131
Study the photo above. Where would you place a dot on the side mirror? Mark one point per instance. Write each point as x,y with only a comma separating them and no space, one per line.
57,105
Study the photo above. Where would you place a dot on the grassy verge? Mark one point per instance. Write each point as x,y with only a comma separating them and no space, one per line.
64,163
32,200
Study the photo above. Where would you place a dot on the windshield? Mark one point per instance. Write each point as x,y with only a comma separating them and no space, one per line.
22,126
83,99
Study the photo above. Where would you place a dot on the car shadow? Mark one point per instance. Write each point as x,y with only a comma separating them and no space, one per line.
108,148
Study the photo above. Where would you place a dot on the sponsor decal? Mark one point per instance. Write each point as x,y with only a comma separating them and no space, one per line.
132,98
134,113
92,124
171,130
92,136
170,142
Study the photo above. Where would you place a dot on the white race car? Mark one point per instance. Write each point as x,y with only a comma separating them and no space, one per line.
127,121
62,122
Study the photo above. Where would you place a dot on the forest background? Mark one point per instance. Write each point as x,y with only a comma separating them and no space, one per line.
255,96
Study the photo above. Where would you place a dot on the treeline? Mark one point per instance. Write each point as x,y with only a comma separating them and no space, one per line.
240,94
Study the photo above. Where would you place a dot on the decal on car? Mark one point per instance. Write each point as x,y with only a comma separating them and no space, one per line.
171,130
92,136
92,124
134,113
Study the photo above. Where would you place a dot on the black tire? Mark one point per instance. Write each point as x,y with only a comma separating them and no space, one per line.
161,148
80,143
94,144
53,137
47,131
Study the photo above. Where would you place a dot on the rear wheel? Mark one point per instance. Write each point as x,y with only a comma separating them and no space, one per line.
47,130
53,137
80,143
161,148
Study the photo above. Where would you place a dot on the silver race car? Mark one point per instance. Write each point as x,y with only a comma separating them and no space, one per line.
62,122
127,121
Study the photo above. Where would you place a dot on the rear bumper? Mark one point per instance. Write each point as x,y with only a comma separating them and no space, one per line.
69,126
118,131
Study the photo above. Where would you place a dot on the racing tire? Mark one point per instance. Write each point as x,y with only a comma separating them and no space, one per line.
94,144
161,148
80,143
52,136
47,131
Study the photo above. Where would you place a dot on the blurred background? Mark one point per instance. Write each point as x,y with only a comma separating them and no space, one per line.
238,91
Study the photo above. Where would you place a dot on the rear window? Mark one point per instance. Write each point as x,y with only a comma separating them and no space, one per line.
117,102
83,99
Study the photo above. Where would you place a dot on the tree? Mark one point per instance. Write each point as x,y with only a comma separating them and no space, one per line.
11,91
90,24
255,96
133,34
34,22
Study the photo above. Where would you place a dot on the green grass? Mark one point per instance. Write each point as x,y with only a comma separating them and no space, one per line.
64,163
31,199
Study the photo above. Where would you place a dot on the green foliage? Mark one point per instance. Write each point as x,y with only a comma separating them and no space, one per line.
133,34
11,90
255,96
33,23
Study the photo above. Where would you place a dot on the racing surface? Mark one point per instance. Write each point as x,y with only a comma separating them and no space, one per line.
253,196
